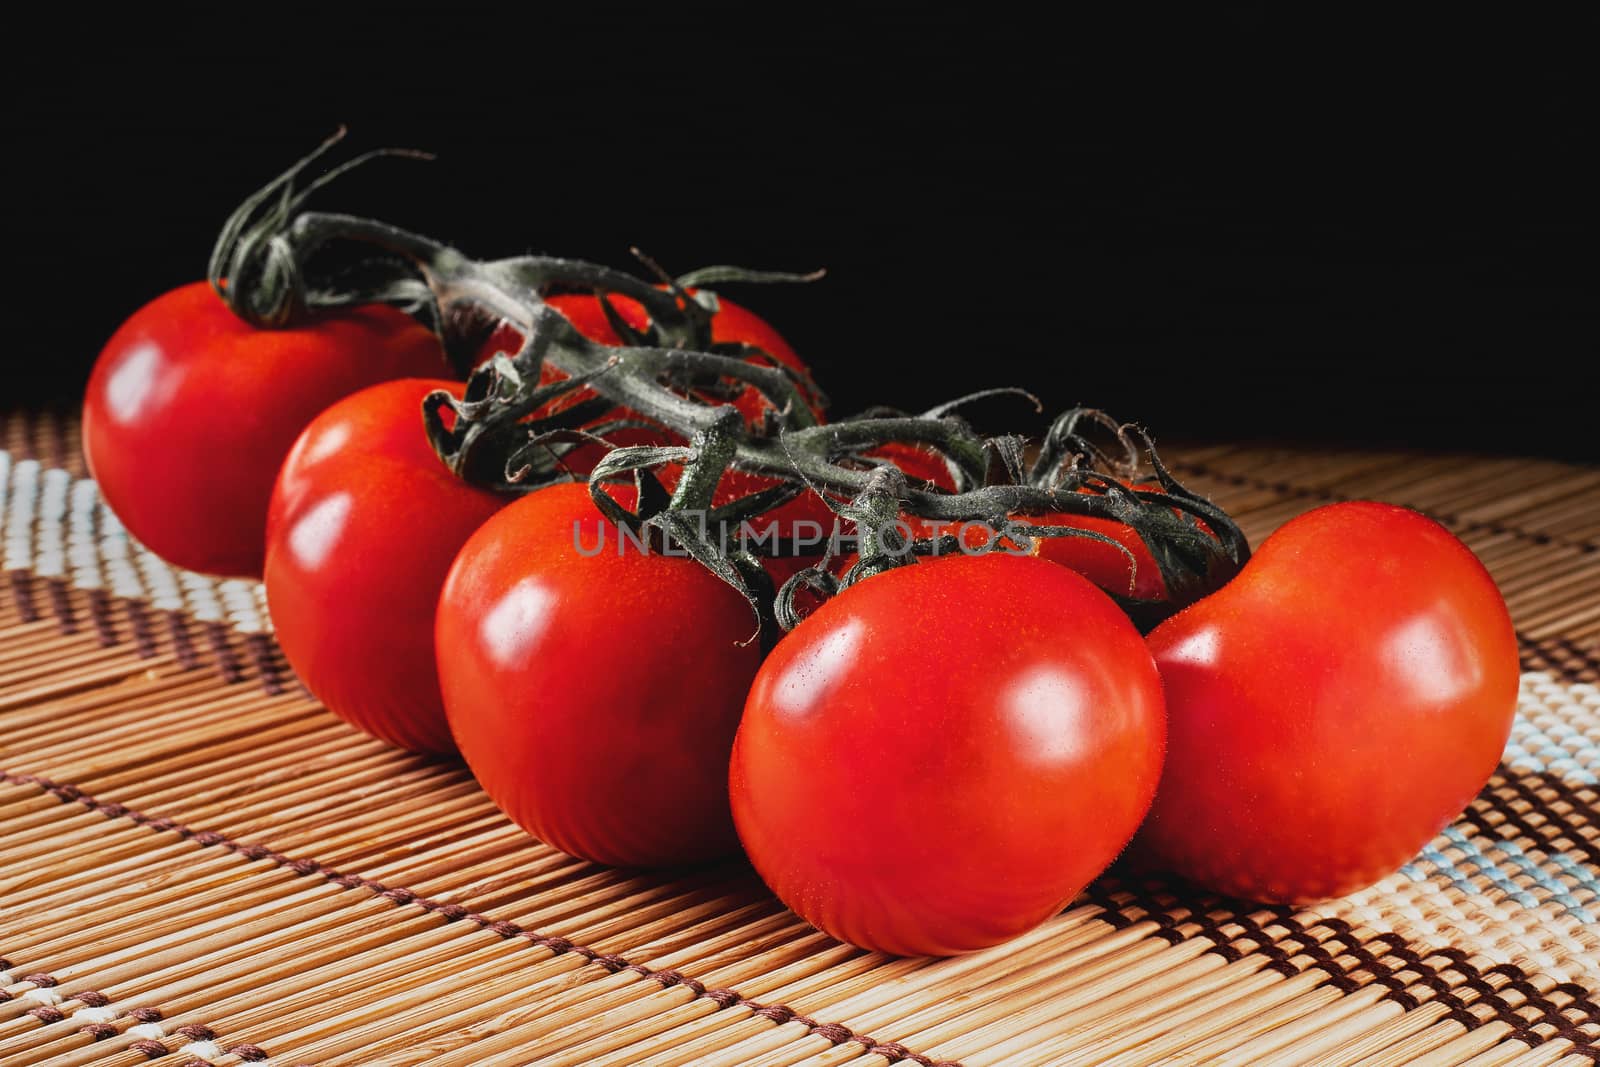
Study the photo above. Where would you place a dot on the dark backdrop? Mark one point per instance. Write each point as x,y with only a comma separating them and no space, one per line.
1218,223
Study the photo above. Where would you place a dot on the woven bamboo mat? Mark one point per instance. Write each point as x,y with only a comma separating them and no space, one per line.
197,862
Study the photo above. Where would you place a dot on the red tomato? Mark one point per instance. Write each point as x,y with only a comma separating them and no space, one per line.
1331,708
595,696
941,757
190,412
364,523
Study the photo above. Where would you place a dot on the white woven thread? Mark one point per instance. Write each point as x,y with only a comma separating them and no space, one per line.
19,514
50,559
55,526
240,604
83,553
203,1050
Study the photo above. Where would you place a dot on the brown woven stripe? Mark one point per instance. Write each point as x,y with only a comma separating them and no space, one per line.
144,639
182,640
105,627
51,437
1507,786
1561,656
1240,929
217,638
57,595
22,596
834,1033
268,662
117,620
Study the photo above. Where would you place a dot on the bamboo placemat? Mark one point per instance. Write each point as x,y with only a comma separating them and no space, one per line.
198,862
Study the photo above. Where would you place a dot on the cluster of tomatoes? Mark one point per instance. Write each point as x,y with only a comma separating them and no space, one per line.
935,760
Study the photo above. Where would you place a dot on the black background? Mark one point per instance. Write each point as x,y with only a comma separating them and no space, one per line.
1220,223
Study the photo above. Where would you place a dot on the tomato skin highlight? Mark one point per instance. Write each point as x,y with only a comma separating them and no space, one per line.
364,524
595,697
190,411
1332,708
943,756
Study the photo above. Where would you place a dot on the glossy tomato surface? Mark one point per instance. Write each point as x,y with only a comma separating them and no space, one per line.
1332,707
190,412
595,696
944,755
364,524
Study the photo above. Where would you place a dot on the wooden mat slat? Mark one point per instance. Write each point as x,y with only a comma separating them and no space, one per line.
272,884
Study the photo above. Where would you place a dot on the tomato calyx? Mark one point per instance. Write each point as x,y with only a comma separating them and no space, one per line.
1196,545
258,261
482,436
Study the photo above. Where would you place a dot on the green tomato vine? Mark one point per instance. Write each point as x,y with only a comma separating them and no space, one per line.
507,434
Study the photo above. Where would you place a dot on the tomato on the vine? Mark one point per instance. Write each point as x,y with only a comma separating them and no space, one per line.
594,687
1132,573
364,524
1129,571
190,411
801,518
944,755
1331,708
